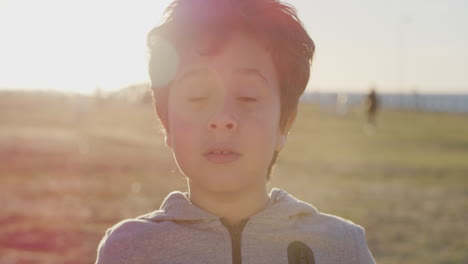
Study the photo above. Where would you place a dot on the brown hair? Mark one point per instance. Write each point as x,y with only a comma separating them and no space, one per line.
272,22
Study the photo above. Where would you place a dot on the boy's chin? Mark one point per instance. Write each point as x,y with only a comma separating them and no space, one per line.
221,184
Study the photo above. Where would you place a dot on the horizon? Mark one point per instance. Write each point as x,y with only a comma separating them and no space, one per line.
91,93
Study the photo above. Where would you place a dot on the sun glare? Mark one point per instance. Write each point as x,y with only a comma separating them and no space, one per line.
84,45
75,45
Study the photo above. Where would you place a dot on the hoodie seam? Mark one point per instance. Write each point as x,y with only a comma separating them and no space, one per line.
225,237
356,241
225,255
247,242
351,236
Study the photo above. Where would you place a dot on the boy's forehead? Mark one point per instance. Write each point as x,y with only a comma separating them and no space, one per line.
240,55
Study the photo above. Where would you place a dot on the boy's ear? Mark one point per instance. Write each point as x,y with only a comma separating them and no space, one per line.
291,120
168,140
167,134
281,142
285,131
161,111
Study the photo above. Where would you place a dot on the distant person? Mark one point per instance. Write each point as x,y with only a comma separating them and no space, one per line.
372,106
226,111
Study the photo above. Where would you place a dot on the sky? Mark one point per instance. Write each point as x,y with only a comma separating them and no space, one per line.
396,46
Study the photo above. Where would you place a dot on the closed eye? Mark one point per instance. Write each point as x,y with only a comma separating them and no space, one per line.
197,99
247,99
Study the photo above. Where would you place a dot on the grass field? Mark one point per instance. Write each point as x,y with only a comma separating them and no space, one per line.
72,167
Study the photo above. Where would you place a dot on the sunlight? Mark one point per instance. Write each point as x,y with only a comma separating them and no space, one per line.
84,45
75,46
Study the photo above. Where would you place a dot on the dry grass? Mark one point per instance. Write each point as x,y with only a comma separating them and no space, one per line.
71,167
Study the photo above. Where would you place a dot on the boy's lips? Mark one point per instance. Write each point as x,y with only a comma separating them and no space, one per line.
221,154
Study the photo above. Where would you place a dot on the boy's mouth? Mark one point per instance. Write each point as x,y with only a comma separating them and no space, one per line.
221,155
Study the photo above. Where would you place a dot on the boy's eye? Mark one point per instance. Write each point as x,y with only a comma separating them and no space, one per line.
197,99
247,99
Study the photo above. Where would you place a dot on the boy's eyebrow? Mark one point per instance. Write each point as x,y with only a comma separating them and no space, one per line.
204,71
192,73
251,71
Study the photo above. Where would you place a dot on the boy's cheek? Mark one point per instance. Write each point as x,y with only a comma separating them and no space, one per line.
181,130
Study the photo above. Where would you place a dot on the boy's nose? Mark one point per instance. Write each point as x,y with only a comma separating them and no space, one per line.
223,121
221,125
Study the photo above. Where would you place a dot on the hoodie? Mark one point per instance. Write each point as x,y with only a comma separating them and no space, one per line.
287,230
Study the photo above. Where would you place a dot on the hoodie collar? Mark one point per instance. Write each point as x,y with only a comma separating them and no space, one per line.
282,205
177,207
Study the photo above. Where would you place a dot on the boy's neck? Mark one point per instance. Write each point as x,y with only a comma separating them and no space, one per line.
232,207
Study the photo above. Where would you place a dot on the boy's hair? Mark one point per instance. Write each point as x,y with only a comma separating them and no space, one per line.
209,22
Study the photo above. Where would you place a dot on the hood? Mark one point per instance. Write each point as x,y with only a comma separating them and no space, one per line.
281,205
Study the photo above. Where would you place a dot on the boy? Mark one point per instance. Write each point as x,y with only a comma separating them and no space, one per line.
226,78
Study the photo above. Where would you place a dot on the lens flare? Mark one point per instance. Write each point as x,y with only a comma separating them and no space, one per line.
165,62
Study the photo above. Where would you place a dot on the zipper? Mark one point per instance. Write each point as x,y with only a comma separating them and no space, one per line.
236,236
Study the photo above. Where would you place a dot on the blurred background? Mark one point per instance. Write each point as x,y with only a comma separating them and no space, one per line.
81,147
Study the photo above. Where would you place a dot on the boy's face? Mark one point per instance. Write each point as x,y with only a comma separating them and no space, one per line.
223,117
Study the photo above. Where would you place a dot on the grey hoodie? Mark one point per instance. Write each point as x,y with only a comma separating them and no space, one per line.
286,231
